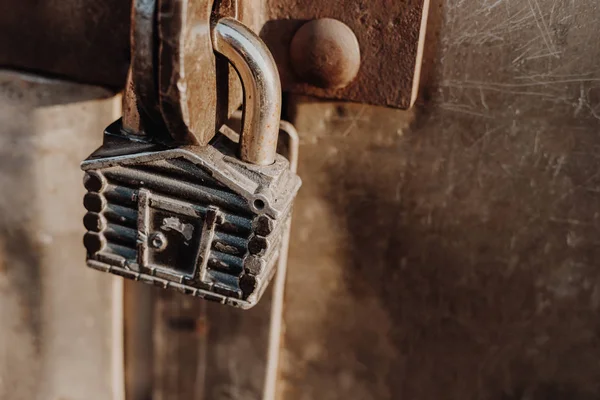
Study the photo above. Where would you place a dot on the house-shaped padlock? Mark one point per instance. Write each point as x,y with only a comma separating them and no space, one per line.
197,218
194,218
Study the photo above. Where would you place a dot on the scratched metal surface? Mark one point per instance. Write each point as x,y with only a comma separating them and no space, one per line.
55,320
444,253
452,252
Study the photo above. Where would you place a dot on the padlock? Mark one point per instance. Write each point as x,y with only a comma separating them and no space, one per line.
204,220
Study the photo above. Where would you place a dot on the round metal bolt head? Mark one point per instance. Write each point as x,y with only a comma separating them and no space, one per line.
325,53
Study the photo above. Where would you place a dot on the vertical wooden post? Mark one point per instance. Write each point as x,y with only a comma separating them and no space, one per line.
61,332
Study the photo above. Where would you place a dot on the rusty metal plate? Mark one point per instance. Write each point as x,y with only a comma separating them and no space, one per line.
390,34
88,41
85,41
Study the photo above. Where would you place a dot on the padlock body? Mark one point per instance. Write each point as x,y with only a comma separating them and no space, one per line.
195,219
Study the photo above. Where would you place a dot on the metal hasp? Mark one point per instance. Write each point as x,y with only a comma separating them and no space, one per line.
173,83
197,218
390,34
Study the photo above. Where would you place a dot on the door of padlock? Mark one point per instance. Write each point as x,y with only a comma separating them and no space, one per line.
205,220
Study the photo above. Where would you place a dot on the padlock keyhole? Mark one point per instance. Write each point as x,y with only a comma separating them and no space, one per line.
259,204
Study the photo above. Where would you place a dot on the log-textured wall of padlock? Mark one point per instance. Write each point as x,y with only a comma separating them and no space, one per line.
205,220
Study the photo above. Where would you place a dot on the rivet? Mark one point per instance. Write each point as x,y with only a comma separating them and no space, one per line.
325,53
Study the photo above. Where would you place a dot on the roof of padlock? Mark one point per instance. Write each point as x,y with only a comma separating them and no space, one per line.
257,184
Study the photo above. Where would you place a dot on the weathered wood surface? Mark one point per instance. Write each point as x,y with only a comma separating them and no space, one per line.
453,253
55,314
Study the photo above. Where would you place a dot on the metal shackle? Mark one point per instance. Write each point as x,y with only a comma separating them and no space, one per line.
262,88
